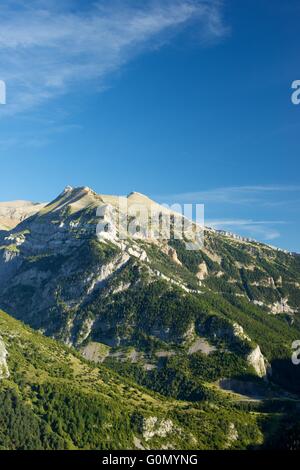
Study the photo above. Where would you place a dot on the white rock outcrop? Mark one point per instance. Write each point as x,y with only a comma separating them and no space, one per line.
202,271
106,271
238,332
281,307
4,372
173,254
257,361
152,427
232,435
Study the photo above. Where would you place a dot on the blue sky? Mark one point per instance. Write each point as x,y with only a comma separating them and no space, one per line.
184,100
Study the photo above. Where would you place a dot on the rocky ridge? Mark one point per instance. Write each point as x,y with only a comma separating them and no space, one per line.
65,271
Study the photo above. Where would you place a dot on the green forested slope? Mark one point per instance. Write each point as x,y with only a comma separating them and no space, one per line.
55,400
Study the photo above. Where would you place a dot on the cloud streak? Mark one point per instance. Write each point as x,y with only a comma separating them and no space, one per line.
233,194
252,200
263,229
50,48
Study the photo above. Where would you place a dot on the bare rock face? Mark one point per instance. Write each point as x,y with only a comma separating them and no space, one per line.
255,358
257,361
203,272
232,435
152,427
173,255
281,307
238,332
4,372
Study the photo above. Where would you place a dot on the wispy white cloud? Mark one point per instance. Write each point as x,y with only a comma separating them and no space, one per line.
50,47
233,194
264,229
243,202
217,223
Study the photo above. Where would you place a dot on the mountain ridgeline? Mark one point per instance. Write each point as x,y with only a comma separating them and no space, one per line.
207,328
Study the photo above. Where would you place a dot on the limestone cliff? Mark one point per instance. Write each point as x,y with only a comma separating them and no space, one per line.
257,361
4,372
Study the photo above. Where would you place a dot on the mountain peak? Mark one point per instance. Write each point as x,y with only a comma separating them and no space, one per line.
77,189
135,193
68,189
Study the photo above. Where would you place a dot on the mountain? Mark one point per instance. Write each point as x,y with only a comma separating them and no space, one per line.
13,212
187,324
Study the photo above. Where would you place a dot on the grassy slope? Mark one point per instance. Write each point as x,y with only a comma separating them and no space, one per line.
53,399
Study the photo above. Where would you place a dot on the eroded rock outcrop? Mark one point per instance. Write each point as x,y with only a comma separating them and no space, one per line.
257,361
173,255
238,332
232,435
153,427
4,372
202,271
281,307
